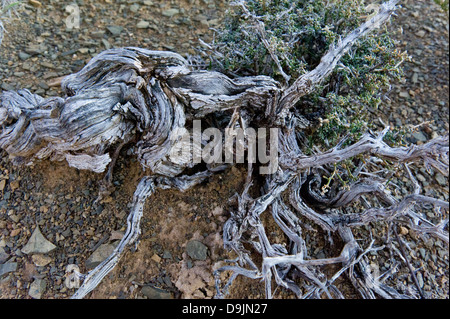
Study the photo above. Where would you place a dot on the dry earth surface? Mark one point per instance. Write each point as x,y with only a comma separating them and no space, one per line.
181,241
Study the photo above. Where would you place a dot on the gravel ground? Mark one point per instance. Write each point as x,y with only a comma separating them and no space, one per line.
422,101
181,238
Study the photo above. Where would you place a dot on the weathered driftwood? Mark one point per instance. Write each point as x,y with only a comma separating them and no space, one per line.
135,95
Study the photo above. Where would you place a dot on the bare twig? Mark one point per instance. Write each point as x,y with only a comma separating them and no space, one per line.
411,270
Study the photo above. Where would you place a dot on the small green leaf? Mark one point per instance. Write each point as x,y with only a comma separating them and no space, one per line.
9,7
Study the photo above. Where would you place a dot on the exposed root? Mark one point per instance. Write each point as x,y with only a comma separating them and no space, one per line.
145,188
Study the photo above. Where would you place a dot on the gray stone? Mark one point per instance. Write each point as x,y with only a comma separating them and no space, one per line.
419,136
7,268
48,65
196,250
7,87
43,85
142,24
134,7
97,34
441,179
69,52
34,49
41,260
321,255
37,244
155,293
420,279
24,56
421,178
3,255
404,94
15,219
106,44
37,288
100,254
422,252
420,33
170,12
114,29
66,233
167,255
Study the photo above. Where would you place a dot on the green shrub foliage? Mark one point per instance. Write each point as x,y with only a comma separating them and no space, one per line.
443,4
299,33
